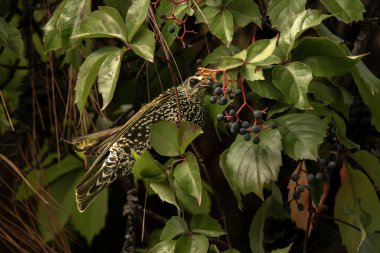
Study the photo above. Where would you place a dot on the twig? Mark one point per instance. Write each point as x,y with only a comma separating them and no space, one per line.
6,111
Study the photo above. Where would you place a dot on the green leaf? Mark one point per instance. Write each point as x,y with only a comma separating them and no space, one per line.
249,166
301,135
70,20
218,53
256,231
324,57
303,21
345,10
91,222
163,247
109,74
205,225
136,16
277,108
222,26
252,73
283,250
293,82
370,165
244,12
164,192
192,244
230,63
143,44
283,12
261,50
190,203
357,204
121,6
164,138
174,227
104,23
275,205
40,178
341,132
148,168
187,133
188,176
369,89
87,74
11,39
265,89
229,175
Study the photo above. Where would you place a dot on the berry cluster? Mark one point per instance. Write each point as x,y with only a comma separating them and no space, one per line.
220,94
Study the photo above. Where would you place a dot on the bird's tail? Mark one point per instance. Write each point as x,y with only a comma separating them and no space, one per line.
94,183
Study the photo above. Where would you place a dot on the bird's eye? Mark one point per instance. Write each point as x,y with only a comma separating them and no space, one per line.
193,82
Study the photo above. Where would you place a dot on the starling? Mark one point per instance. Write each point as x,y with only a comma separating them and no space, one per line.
116,159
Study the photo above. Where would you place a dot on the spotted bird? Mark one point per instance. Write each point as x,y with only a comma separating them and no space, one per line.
115,151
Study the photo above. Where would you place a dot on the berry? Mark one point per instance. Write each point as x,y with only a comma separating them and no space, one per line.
311,178
311,187
235,126
335,146
223,101
301,188
331,165
229,90
171,29
231,96
232,113
219,84
273,125
257,114
237,92
319,176
333,157
256,128
322,162
300,207
245,124
212,100
247,136
296,195
326,178
218,91
242,131
295,177
219,117
332,133
256,140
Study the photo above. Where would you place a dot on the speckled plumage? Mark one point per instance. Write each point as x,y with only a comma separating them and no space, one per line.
117,160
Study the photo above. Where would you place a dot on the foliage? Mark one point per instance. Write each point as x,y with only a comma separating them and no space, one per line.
275,96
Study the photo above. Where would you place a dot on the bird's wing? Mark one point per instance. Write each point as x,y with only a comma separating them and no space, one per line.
105,144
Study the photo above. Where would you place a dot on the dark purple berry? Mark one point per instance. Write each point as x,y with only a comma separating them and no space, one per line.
229,90
273,125
311,178
311,187
295,177
300,207
301,188
296,195
256,129
247,136
331,165
256,140
237,92
242,131
245,124
235,126
326,178
219,117
231,96
223,101
333,157
218,91
335,146
219,84
319,176
257,114
232,113
212,100
322,162
171,29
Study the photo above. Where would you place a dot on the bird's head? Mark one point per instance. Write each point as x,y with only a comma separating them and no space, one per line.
194,84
